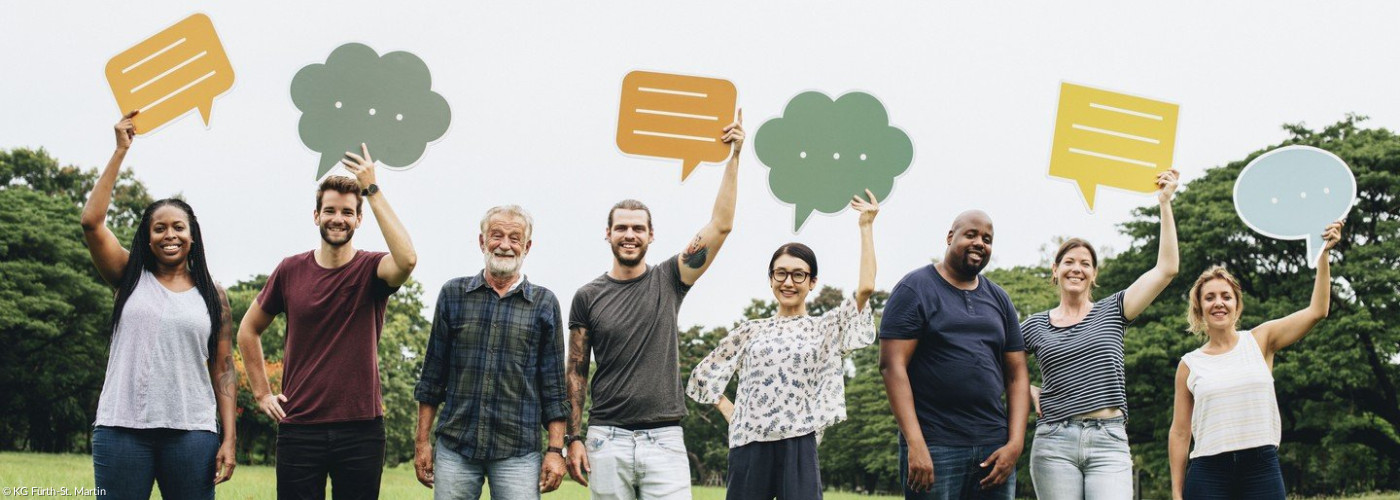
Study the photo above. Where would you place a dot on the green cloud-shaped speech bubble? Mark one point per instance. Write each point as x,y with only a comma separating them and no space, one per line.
822,152
356,97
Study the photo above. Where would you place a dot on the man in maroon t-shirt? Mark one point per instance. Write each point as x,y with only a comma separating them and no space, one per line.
330,409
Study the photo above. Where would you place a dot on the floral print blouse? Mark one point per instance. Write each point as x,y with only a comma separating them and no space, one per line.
791,372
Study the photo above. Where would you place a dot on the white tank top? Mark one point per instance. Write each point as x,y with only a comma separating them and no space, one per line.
1236,408
156,371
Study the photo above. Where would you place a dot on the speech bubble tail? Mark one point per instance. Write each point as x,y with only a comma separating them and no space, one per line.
1315,246
688,166
328,162
800,218
205,111
1088,190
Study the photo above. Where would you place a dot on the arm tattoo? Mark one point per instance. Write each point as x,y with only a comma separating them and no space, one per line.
228,379
696,254
577,376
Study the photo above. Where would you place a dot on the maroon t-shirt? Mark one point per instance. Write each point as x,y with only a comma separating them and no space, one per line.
330,370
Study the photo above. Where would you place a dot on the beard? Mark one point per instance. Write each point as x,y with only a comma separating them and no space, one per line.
326,236
503,266
966,267
641,254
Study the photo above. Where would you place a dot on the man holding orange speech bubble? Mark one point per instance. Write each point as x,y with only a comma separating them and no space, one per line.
627,318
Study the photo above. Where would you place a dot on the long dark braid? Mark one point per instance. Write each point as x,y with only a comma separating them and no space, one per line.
142,258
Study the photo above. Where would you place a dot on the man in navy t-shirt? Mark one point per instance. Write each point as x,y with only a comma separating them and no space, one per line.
950,345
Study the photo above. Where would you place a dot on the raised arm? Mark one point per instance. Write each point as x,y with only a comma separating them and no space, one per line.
225,379
702,249
1179,438
867,210
107,253
576,373
1151,283
1283,332
894,368
403,258
255,321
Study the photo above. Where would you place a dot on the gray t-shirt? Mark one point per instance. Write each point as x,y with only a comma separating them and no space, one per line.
632,331
156,372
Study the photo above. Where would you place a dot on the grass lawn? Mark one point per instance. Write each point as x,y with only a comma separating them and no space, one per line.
259,482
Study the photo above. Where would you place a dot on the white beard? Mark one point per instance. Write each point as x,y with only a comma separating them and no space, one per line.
502,266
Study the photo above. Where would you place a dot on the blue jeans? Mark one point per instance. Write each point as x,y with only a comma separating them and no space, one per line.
956,473
457,477
126,461
1084,459
647,464
1243,474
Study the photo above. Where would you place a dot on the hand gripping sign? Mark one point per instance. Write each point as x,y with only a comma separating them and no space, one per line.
822,152
358,96
1105,138
171,73
675,116
1293,192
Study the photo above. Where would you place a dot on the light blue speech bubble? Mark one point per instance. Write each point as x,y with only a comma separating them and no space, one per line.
1293,193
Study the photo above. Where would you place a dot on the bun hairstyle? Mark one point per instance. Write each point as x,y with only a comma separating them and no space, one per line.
798,250
1195,316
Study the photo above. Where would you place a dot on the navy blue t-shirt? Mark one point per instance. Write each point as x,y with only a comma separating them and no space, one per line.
957,371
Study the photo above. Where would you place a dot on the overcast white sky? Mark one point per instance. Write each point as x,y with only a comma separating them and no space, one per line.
534,93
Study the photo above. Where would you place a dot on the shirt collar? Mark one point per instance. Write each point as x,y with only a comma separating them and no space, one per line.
522,284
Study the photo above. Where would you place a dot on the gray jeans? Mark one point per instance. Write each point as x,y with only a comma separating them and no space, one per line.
1082,459
630,465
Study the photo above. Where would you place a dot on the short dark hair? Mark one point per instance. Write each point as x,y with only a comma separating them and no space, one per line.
796,250
343,185
630,204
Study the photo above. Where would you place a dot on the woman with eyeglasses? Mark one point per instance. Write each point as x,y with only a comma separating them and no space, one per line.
791,369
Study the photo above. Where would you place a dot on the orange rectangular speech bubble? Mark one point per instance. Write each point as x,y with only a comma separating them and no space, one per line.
675,116
181,68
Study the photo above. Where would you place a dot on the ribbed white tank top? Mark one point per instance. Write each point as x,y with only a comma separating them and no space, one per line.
1236,408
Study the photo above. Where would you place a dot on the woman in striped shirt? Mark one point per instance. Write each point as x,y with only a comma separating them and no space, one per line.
1225,389
1081,446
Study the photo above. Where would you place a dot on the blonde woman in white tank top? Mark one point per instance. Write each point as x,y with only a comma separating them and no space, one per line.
1225,390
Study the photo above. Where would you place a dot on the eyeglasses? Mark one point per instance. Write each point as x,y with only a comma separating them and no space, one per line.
798,277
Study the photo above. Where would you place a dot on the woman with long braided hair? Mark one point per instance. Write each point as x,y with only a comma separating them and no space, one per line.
170,365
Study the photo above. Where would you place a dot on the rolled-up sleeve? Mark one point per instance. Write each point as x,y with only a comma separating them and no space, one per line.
432,384
554,401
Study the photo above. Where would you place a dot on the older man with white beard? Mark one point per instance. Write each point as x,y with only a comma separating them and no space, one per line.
495,363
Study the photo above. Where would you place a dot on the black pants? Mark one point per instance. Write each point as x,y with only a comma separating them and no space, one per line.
1243,474
786,470
351,453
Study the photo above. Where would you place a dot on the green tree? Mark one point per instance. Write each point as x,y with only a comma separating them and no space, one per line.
1337,387
54,309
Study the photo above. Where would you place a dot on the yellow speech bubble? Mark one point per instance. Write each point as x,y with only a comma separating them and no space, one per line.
1104,138
179,69
675,116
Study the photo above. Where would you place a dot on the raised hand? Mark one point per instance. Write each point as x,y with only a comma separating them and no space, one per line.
362,167
126,130
867,209
734,134
1332,234
1166,185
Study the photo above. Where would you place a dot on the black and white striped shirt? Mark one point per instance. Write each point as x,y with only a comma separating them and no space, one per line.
1081,366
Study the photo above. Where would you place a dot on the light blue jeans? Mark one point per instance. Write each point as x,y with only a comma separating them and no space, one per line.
630,465
456,477
1082,459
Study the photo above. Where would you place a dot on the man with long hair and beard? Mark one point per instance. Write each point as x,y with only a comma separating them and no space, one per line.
495,362
330,411
626,318
950,346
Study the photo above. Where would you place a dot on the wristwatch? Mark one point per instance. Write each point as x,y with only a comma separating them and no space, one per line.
570,438
369,190
554,449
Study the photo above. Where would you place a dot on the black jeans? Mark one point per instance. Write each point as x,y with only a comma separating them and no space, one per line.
1245,474
785,469
351,453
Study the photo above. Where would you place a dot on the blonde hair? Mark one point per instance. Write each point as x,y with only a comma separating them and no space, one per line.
1195,316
